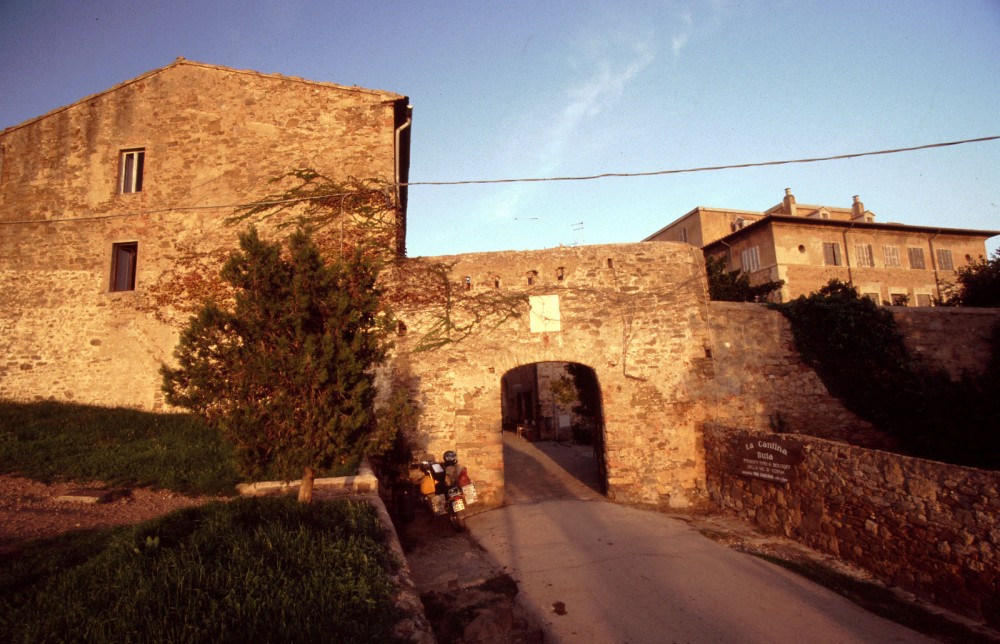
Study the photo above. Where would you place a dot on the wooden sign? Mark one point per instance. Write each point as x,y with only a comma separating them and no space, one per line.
769,459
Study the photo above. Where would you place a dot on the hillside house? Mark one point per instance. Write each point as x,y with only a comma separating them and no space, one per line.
808,245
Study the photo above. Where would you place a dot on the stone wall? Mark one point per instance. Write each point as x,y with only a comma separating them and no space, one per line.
213,137
954,339
762,383
928,527
634,313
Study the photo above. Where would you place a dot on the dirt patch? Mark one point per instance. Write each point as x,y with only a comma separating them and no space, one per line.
467,597
32,510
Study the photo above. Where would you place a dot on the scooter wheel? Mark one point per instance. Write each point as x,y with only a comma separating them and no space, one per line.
458,521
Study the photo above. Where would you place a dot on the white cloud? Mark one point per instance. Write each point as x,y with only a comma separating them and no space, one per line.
544,146
585,102
679,40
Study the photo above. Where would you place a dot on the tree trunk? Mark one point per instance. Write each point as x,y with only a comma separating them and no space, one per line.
306,488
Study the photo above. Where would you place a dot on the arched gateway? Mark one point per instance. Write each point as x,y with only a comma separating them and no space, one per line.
636,314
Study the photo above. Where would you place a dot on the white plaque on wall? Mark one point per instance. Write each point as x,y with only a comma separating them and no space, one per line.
544,316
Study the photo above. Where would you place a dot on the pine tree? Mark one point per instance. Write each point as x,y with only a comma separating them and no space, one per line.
286,372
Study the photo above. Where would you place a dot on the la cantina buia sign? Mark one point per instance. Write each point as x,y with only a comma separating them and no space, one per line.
768,459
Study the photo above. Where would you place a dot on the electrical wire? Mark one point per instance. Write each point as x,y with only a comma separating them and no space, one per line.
605,175
654,173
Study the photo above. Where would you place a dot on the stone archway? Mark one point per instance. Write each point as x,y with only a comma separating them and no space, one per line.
636,314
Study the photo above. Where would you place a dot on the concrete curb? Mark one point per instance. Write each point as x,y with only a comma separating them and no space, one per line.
414,627
364,482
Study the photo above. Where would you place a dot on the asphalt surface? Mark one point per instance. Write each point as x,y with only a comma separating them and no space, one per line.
593,571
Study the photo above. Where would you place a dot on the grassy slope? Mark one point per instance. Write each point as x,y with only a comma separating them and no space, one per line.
50,440
250,570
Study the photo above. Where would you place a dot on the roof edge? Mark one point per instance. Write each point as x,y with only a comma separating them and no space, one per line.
697,209
180,60
836,223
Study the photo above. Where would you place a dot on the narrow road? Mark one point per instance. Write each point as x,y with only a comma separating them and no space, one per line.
593,571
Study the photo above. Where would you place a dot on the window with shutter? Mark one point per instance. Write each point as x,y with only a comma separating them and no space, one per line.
831,254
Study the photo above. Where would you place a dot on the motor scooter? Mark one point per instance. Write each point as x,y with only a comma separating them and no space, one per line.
447,488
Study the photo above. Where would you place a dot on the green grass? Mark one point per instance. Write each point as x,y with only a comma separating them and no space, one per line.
250,570
50,440
62,441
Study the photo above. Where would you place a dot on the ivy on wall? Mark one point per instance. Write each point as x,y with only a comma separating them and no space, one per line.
342,216
734,286
858,351
455,311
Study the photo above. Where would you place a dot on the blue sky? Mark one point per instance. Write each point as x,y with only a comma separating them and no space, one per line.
563,88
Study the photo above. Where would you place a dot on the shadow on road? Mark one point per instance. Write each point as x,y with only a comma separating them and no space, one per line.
591,570
546,470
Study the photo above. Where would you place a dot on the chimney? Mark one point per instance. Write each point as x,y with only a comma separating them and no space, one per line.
857,208
789,202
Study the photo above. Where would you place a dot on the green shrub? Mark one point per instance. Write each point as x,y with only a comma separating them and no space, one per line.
734,286
857,350
977,284
250,570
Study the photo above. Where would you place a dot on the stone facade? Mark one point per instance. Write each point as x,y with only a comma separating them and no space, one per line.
808,245
211,137
637,315
634,313
928,527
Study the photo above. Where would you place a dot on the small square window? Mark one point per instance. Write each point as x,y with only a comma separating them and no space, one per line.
123,259
131,164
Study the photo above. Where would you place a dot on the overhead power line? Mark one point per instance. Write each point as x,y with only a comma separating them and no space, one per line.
604,175
735,166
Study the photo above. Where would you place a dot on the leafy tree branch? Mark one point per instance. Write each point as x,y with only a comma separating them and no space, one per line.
287,372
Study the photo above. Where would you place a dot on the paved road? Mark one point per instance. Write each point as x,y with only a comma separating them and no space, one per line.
596,572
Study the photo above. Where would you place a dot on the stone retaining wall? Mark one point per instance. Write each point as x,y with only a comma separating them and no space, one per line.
762,382
928,527
954,339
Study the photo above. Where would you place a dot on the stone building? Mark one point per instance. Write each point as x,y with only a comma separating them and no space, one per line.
807,245
106,201
113,203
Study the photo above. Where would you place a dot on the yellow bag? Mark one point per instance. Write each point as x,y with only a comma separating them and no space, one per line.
427,485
